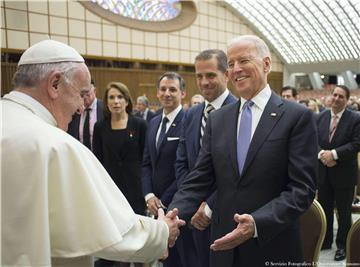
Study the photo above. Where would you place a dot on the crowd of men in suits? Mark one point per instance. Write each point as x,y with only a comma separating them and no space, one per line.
242,171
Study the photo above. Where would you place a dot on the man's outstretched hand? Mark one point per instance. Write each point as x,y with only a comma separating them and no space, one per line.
244,231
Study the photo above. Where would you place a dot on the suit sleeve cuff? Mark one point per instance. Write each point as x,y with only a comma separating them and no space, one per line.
148,196
208,211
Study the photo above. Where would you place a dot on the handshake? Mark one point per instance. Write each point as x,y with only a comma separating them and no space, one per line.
173,223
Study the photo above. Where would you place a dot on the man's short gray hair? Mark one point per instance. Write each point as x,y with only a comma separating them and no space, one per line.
31,75
260,45
143,100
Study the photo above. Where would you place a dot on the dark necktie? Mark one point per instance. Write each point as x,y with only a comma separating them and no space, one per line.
86,129
205,116
244,137
162,132
333,126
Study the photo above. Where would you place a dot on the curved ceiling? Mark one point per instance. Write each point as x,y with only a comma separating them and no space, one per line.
308,31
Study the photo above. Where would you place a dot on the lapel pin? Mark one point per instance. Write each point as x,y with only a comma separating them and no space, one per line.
273,114
173,125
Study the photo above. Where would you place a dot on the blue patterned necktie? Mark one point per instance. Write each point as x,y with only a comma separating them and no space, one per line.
244,137
162,132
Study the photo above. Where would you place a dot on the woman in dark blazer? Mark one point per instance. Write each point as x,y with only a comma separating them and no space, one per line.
118,143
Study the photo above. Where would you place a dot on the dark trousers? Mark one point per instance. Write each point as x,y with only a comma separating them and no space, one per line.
341,198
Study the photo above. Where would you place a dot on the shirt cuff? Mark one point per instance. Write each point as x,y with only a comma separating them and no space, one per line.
319,154
255,232
208,211
148,196
334,154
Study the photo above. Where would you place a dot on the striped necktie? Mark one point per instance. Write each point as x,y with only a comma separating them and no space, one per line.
333,126
205,116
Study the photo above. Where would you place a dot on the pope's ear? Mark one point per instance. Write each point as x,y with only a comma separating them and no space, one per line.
53,84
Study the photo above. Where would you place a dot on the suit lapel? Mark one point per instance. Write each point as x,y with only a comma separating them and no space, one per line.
152,135
270,116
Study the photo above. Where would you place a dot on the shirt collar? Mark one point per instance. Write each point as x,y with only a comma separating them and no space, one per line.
33,105
339,114
260,100
172,115
217,103
93,104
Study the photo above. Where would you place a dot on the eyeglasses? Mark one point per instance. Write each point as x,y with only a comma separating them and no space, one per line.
83,93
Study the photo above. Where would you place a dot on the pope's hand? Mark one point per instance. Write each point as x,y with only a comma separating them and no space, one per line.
173,222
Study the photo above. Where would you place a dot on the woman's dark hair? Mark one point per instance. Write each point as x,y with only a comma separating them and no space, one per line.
124,91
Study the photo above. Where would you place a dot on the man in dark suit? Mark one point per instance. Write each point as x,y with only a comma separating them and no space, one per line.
142,107
158,171
211,77
82,124
339,141
264,170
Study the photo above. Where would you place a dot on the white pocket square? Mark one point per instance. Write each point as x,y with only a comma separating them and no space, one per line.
173,138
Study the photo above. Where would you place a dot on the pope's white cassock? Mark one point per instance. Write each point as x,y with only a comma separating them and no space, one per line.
58,204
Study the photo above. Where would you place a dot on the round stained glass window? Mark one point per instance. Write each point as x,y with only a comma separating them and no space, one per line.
150,15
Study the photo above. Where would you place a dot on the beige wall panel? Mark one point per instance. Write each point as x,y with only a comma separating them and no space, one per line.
92,17
204,33
137,37
38,23
110,49
22,5
185,43
3,38
220,24
16,20
194,45
94,47
93,30
78,44
150,53
2,18
203,21
76,28
174,55
76,10
58,8
38,6
109,32
212,22
58,25
124,35
138,51
37,37
204,45
185,32
150,38
124,50
163,54
194,31
185,56
163,39
18,40
174,42
60,38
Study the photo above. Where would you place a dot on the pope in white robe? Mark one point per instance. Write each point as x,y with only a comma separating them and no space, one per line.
58,204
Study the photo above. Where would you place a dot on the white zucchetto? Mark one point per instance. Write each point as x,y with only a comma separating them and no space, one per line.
49,51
